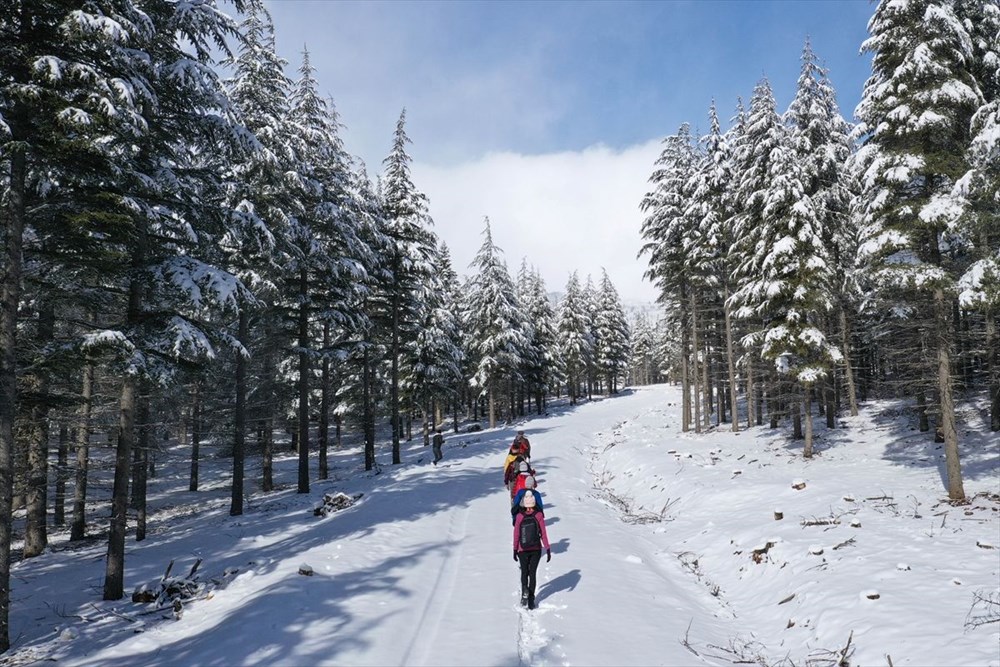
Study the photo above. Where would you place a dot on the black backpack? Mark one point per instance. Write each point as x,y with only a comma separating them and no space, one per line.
529,535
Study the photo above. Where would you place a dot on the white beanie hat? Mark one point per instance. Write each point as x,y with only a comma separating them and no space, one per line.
522,466
529,482
528,500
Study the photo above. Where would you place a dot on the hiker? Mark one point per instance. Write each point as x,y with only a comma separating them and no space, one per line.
524,472
437,443
522,444
510,472
529,540
529,488
513,455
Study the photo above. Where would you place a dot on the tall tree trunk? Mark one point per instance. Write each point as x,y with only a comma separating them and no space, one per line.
139,475
267,410
324,406
62,466
924,422
195,434
367,413
10,296
394,415
731,364
830,401
956,491
807,449
796,419
845,341
695,352
993,369
36,530
706,383
338,428
493,416
114,576
240,414
752,404
78,530
303,416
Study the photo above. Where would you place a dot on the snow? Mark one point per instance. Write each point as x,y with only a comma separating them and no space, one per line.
656,559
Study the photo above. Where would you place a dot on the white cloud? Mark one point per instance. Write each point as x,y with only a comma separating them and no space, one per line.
564,212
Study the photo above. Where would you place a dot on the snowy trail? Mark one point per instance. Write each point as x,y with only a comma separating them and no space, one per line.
587,613
434,572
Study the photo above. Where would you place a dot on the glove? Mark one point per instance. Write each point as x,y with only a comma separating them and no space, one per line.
515,555
548,555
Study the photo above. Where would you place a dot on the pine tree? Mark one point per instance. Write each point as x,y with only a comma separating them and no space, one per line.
258,228
611,350
978,191
666,235
575,342
495,338
412,250
916,108
432,363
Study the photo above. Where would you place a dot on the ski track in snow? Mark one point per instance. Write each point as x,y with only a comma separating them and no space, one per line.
437,603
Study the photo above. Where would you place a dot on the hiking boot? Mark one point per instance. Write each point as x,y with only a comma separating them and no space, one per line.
524,599
531,601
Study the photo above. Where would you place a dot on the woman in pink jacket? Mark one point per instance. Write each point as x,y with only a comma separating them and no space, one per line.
529,540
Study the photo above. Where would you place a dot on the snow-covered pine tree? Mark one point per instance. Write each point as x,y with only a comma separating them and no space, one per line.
786,276
494,319
257,234
665,234
821,139
761,142
576,345
411,254
542,369
432,361
168,180
916,110
360,385
611,351
979,191
452,299
60,98
710,212
591,305
329,258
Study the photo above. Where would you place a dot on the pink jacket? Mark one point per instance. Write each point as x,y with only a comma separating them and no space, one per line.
541,525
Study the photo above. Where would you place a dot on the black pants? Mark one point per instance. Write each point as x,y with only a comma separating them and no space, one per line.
437,453
529,561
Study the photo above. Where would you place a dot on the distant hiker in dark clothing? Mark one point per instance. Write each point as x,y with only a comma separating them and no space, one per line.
529,540
522,445
529,487
437,443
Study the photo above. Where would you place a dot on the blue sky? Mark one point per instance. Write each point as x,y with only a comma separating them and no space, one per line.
485,80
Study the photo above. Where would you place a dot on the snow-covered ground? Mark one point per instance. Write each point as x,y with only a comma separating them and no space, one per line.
666,551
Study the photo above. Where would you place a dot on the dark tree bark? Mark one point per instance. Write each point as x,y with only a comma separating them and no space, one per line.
140,474
36,528
10,297
303,414
367,413
114,576
78,530
240,417
324,406
62,465
195,434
